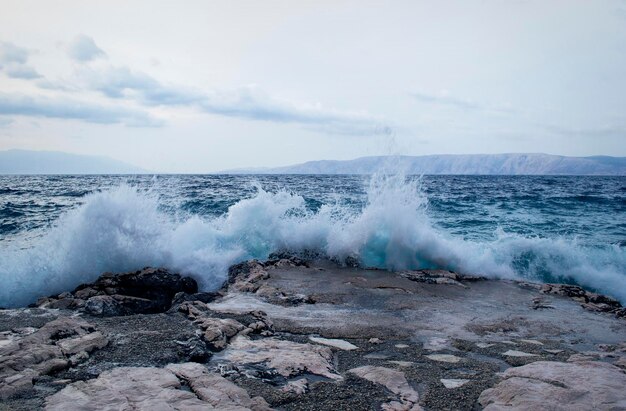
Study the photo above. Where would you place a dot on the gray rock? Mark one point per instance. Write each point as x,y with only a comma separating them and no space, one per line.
558,386
149,388
51,348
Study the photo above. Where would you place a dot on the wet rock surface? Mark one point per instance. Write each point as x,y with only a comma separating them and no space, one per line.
146,291
288,334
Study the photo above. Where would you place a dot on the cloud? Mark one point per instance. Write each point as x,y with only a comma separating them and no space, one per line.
4,122
446,100
13,61
61,108
22,71
83,49
249,102
10,53
253,104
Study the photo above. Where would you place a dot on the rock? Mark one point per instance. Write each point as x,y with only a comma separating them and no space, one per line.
432,277
394,381
375,341
299,386
218,331
402,346
146,291
553,351
515,353
84,343
437,343
558,386
589,301
444,358
287,358
453,382
340,344
484,345
149,388
53,347
534,342
403,364
246,276
214,389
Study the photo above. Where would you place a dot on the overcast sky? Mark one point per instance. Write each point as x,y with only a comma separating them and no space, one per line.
201,86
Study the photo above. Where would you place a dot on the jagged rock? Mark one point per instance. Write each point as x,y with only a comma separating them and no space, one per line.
438,277
558,386
214,389
149,388
246,276
249,277
288,358
146,291
51,348
588,300
394,381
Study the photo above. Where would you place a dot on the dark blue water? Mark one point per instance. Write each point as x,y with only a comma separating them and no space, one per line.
58,231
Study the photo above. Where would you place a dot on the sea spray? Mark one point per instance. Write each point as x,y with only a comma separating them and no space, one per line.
125,228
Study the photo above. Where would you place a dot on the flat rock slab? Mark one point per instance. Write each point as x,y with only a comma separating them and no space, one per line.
558,386
394,381
288,358
149,388
444,358
515,353
453,382
336,343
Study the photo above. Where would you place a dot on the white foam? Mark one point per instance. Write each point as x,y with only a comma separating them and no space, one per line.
122,229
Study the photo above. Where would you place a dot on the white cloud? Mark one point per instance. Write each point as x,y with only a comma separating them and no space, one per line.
63,108
83,49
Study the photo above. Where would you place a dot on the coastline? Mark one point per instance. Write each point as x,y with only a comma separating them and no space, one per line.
292,334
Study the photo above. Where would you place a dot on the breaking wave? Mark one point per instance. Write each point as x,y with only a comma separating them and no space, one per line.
124,229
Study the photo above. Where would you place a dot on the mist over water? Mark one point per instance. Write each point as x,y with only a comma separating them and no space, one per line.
57,232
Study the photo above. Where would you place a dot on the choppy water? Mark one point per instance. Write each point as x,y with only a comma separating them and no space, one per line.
59,231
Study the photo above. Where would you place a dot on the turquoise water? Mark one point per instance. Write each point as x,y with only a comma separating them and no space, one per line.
59,231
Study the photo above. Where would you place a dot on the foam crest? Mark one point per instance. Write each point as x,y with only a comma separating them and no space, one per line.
123,229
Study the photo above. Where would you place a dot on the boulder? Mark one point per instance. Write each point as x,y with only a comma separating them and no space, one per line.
563,386
53,347
146,291
150,388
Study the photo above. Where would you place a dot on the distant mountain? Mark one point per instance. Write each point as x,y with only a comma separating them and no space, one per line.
482,164
55,162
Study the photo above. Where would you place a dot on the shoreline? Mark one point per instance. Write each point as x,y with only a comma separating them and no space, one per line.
293,334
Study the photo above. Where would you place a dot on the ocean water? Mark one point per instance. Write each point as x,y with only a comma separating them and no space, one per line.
59,231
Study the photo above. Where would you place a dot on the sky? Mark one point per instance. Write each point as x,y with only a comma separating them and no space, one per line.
203,86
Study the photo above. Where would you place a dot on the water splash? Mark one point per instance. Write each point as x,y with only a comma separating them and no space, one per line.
123,229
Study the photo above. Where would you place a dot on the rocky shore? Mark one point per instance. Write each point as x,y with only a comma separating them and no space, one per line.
289,334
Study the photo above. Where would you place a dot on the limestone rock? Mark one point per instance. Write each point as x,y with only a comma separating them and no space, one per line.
288,358
331,342
50,348
558,386
444,358
394,381
149,388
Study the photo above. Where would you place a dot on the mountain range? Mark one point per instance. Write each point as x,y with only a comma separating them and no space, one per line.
56,162
469,164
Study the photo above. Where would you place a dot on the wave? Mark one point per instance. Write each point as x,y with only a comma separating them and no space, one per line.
123,229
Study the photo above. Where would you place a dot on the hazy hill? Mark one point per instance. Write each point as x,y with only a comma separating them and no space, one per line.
54,162
494,164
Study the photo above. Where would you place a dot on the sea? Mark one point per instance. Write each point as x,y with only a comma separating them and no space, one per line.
57,232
